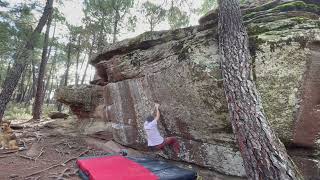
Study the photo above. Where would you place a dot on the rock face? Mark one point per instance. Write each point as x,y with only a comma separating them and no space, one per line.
58,115
85,101
180,70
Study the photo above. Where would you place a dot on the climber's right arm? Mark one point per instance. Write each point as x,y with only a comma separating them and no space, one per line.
157,112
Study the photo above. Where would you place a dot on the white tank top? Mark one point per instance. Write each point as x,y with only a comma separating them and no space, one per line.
154,137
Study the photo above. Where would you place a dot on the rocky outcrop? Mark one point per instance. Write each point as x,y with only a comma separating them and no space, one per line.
85,101
58,115
180,70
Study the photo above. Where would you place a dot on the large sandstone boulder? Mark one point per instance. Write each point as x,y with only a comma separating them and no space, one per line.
85,101
180,70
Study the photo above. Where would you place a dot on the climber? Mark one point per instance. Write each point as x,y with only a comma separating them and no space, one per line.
155,140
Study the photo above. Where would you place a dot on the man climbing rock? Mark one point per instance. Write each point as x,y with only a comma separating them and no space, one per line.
155,140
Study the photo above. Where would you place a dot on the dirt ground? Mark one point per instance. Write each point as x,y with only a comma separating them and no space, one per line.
52,147
48,154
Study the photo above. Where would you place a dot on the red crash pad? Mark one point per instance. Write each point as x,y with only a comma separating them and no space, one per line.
114,168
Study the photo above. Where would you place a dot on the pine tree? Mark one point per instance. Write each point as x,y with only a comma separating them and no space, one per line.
264,155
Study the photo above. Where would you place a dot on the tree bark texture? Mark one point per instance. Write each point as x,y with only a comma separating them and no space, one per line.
27,87
50,91
66,77
101,36
115,26
21,61
77,60
38,102
264,155
89,57
49,77
20,87
34,80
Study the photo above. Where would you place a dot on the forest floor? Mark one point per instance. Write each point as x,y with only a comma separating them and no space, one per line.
50,153
52,147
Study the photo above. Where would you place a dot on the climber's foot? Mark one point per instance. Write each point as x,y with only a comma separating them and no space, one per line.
161,154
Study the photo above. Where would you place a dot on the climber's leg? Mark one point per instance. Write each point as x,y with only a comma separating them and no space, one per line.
170,141
174,143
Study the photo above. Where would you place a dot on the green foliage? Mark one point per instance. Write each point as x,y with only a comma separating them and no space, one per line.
153,13
48,109
22,112
257,29
3,3
177,18
300,20
109,16
58,16
132,22
17,111
5,37
207,5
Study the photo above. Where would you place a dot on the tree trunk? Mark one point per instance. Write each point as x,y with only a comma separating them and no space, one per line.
77,61
85,72
27,87
34,80
66,77
89,57
101,34
54,58
151,26
115,26
28,90
8,68
21,61
20,87
52,68
38,102
264,155
49,92
59,105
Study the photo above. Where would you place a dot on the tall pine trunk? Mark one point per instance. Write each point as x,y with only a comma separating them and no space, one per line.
21,61
264,155
115,26
101,36
50,75
66,75
27,87
38,102
89,57
28,91
77,61
21,87
50,91
68,63
34,80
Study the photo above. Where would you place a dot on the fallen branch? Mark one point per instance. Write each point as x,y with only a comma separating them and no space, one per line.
4,156
25,157
16,126
68,144
60,164
13,151
41,152
64,175
30,178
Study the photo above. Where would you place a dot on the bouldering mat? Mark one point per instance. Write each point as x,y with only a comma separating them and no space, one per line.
130,168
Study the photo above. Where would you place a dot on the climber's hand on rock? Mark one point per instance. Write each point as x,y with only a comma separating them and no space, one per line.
158,112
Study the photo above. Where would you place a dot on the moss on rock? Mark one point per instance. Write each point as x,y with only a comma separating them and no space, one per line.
298,6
